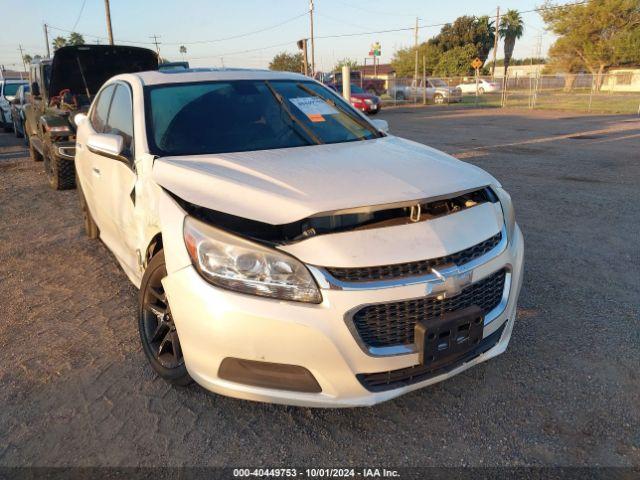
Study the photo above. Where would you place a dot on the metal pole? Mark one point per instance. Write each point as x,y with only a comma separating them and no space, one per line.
46,40
108,15
306,59
495,44
424,79
24,64
346,83
415,73
313,44
477,84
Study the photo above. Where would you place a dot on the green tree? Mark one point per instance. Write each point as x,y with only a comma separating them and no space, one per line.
75,38
511,28
287,62
27,58
468,30
456,61
403,60
350,62
183,51
594,35
59,42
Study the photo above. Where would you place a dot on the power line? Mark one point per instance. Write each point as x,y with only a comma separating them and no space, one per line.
79,15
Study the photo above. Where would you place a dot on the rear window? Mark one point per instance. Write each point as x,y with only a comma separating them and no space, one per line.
10,89
246,115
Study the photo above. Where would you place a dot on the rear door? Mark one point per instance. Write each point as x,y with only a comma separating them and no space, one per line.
87,162
115,184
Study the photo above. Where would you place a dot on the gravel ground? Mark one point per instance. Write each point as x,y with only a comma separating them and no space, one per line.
76,388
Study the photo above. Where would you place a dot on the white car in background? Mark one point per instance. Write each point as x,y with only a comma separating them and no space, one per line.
484,86
287,249
8,89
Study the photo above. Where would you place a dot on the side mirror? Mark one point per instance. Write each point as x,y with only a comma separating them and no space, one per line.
381,125
107,145
35,89
79,119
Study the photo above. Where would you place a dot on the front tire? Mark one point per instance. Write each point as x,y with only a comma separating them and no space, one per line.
438,99
157,330
60,173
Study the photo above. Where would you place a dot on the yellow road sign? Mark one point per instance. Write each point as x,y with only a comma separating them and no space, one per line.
477,63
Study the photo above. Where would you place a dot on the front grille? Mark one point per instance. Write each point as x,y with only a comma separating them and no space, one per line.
389,324
413,269
382,381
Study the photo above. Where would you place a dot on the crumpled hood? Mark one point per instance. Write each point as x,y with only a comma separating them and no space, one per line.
284,185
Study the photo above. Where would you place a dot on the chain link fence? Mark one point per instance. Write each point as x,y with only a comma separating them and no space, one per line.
606,93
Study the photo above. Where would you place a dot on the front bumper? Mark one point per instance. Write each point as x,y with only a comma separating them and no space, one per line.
214,324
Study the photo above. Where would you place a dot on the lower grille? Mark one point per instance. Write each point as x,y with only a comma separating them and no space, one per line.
389,324
382,381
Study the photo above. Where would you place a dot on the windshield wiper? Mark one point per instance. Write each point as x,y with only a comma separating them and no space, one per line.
292,117
351,115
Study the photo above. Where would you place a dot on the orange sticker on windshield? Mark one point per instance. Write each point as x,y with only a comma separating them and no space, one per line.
315,117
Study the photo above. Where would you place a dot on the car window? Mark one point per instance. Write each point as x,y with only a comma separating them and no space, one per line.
356,89
101,108
246,115
10,89
120,121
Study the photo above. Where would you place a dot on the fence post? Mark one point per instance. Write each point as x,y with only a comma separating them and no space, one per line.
424,80
591,94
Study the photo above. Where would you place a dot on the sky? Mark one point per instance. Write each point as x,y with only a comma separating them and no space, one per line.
248,33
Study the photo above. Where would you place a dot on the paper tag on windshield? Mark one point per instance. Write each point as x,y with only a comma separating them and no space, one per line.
313,107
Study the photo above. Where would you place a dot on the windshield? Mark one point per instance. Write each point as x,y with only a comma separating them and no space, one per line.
436,82
10,89
246,115
356,89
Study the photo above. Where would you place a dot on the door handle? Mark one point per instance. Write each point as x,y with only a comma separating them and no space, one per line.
96,171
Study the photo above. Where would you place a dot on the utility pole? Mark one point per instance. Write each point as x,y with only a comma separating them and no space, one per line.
22,57
495,43
46,40
302,45
415,74
155,41
108,14
313,44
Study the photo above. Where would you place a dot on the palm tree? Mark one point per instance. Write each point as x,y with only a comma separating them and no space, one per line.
511,28
59,42
183,51
75,39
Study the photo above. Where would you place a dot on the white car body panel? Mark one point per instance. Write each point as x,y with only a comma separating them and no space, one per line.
286,185
282,186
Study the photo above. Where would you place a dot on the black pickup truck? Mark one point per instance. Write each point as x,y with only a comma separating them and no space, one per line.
64,86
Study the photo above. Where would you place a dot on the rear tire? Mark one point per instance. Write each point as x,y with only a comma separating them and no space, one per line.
17,132
34,154
90,227
438,99
481,91
157,330
60,173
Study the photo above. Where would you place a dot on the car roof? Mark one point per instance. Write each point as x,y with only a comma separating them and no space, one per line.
213,74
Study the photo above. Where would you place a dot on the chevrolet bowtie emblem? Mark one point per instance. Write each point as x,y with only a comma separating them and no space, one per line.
448,284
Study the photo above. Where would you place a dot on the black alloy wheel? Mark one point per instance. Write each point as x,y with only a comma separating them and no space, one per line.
157,329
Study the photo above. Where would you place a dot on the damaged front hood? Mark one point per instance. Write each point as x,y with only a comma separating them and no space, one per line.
284,185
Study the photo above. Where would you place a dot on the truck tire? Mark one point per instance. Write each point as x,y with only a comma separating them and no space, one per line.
34,154
157,330
60,173
16,131
90,227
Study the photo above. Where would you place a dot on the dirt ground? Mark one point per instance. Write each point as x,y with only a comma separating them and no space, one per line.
76,389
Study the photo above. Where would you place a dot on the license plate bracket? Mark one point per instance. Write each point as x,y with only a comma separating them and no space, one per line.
440,341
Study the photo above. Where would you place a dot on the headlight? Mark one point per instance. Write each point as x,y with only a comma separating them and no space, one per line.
368,101
507,210
231,262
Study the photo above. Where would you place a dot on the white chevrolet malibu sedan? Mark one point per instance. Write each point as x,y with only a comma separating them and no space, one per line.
287,249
